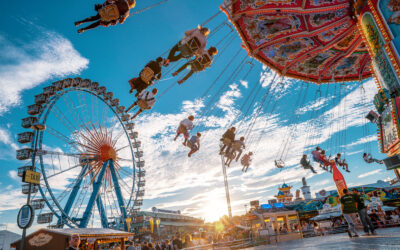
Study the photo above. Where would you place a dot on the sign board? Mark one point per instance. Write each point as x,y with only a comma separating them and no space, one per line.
156,210
31,177
25,216
255,203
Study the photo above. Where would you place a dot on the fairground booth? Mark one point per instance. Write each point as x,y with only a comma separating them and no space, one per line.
54,239
274,220
163,223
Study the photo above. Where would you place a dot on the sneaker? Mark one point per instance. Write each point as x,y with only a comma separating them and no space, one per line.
80,31
175,74
180,81
77,23
356,235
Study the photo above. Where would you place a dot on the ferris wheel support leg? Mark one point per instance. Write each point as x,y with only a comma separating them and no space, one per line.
73,194
96,188
119,194
100,207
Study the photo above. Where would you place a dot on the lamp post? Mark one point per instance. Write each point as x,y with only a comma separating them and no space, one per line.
36,127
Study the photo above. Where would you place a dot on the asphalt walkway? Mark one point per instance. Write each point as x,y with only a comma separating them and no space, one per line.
387,238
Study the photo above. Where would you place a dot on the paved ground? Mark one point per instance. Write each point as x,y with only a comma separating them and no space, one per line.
387,238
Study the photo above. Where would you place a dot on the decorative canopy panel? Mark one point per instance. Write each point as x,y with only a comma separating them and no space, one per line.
313,40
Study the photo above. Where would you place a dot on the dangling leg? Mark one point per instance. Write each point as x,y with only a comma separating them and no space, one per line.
133,105
186,136
239,154
172,57
312,169
137,113
180,69
92,26
178,133
222,149
186,77
89,19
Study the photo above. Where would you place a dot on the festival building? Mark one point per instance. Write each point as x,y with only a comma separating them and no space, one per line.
165,223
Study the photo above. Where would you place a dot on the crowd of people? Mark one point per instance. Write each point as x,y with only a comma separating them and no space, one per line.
356,216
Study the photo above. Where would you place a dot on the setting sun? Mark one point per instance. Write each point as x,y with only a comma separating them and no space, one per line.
214,208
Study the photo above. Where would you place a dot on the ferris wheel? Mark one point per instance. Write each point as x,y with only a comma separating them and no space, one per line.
88,155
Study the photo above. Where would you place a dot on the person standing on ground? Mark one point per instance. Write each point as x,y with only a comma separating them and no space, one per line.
349,208
177,242
362,213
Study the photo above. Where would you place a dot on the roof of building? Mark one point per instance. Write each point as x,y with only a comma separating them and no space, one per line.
168,216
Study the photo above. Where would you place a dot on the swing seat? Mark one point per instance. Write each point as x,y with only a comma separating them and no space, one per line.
236,146
226,141
143,105
188,49
196,66
109,13
279,163
147,75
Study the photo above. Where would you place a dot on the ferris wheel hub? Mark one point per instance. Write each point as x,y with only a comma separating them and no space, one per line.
107,152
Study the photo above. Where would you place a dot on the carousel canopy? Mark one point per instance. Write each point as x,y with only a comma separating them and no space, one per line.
313,40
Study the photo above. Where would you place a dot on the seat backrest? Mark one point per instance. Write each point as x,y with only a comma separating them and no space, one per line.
109,13
147,75
194,44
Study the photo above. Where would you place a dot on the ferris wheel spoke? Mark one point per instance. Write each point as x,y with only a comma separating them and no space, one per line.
122,148
65,170
61,117
122,159
73,114
77,155
64,138
83,107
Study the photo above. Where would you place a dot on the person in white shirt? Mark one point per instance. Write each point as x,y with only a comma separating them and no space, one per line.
193,43
395,218
198,64
194,144
184,126
145,101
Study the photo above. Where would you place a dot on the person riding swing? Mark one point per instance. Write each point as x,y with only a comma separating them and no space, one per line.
369,159
145,101
342,163
151,72
235,151
306,164
246,161
227,138
193,43
108,13
194,144
198,64
184,127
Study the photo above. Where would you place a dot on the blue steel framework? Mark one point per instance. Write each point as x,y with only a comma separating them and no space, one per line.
126,206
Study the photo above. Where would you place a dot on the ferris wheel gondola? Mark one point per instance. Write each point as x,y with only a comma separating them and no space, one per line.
89,156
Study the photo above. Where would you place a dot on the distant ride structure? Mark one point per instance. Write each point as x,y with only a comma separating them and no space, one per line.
89,157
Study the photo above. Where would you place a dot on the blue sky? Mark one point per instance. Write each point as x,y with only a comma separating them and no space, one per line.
39,45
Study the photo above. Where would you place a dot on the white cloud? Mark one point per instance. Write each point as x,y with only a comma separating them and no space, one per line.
370,173
363,140
34,63
14,175
244,83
